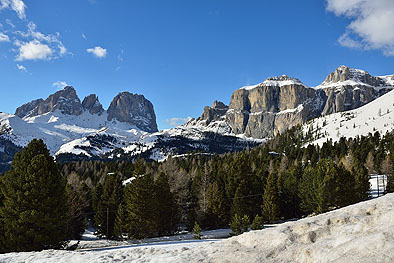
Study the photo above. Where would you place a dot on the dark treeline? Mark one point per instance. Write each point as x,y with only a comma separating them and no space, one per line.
282,179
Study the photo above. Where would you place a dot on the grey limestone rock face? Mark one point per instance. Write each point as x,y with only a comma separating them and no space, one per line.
65,100
92,104
214,113
344,73
279,103
267,109
26,108
348,89
134,109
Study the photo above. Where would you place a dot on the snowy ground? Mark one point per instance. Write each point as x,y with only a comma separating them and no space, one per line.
362,232
377,115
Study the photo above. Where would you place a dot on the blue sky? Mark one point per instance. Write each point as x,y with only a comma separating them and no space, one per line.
184,54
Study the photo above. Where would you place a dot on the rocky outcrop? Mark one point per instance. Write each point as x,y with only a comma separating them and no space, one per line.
91,103
348,89
278,103
133,109
272,106
344,73
125,107
65,100
214,113
26,109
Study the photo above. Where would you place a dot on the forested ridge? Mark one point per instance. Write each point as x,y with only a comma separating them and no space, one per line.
282,179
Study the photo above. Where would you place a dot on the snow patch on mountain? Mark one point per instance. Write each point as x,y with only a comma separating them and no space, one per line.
377,115
276,82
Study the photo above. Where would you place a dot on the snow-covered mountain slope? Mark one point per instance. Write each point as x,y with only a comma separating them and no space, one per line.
377,115
125,144
361,233
56,128
345,76
73,130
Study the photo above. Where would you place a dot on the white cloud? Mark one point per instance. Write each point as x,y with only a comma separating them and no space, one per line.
21,67
41,46
17,5
177,121
83,36
59,84
4,37
371,26
98,52
33,50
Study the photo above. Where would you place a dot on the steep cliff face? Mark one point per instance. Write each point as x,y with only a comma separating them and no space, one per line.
126,107
348,89
65,100
133,109
278,103
92,104
26,109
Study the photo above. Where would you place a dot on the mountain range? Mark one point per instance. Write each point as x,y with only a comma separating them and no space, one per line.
75,130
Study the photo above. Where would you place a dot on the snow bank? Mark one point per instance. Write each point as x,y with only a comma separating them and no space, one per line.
362,232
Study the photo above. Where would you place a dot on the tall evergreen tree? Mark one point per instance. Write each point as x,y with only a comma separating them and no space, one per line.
34,209
139,199
108,206
270,207
167,211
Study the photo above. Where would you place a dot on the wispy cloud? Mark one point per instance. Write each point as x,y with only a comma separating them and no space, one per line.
60,84
30,44
4,37
98,52
177,121
372,23
38,46
21,67
9,22
120,56
83,36
16,5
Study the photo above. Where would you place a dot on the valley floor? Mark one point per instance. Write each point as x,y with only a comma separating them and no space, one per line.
363,232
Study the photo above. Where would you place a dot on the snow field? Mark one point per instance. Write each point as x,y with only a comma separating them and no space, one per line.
363,232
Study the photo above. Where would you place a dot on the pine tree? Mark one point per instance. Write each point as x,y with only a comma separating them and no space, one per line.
270,207
362,185
34,209
258,223
239,224
217,205
167,211
119,222
108,206
77,205
196,231
141,210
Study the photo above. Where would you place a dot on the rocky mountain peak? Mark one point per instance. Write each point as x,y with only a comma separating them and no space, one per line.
92,104
134,109
27,108
219,105
358,76
65,100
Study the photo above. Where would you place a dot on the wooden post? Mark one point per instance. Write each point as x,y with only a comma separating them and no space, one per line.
107,224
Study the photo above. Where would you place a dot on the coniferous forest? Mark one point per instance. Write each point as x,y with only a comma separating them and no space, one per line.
43,204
